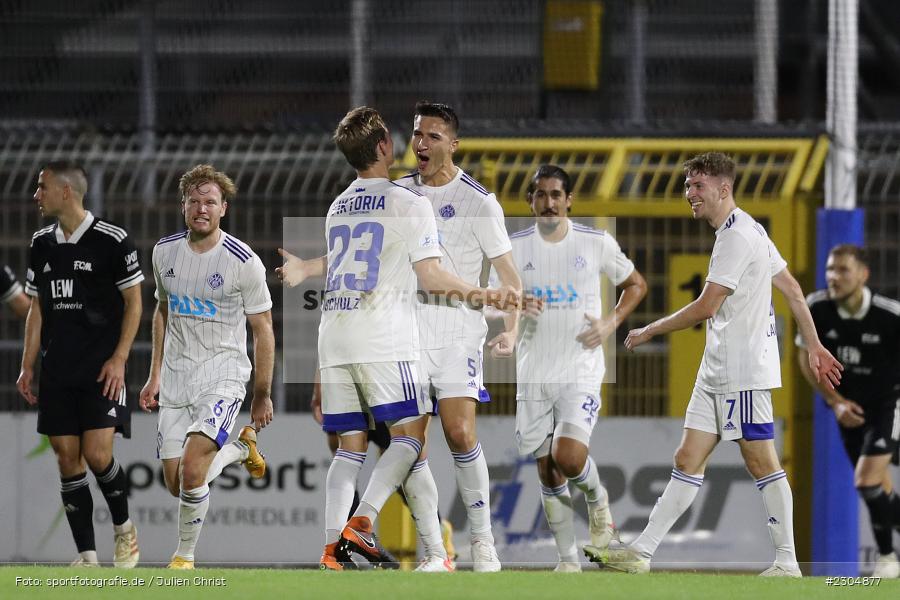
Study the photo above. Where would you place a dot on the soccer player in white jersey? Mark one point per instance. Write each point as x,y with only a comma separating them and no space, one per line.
471,230
559,359
381,237
208,286
732,398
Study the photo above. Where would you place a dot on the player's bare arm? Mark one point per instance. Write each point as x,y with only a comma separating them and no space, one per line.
847,412
634,288
824,366
435,280
148,399
698,311
503,344
112,373
295,270
19,305
29,355
261,411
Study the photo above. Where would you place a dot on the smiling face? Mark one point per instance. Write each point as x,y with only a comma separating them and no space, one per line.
706,194
203,209
434,143
549,203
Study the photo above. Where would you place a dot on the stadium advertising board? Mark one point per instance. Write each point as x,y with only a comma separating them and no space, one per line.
278,519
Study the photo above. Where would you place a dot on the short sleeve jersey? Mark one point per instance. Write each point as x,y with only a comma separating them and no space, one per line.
866,343
208,296
566,276
470,228
375,230
9,285
741,338
79,283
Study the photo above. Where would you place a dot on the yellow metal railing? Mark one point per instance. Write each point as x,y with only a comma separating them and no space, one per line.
640,182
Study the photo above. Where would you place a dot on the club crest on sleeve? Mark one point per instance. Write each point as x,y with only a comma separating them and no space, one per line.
215,281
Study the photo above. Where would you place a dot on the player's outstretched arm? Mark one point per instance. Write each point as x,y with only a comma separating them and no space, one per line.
29,355
158,336
634,288
295,270
503,344
699,310
261,411
112,373
824,366
435,280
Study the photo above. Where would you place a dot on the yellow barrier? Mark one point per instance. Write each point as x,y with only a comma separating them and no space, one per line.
640,182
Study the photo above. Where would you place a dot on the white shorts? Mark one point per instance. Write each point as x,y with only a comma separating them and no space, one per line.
211,415
455,372
732,416
537,419
355,396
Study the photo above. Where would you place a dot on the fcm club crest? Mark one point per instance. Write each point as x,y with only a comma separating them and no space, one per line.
215,281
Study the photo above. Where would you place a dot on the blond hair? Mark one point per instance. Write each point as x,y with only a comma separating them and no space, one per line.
358,134
206,174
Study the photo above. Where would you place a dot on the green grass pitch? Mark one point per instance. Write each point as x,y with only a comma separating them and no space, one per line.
282,584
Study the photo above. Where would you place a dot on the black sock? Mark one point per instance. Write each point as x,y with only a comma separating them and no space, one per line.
79,507
880,512
894,499
114,485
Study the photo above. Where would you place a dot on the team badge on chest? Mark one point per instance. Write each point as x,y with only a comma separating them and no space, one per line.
580,263
447,211
215,281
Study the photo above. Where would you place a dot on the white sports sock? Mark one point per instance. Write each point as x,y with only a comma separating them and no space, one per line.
390,471
422,497
475,489
228,454
589,483
192,510
779,502
340,487
558,509
677,498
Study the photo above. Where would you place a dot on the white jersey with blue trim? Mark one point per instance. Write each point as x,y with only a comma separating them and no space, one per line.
208,296
470,228
566,276
741,338
375,230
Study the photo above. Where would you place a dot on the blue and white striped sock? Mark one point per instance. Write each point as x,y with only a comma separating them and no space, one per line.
475,489
588,481
779,502
422,498
340,488
560,517
192,509
677,498
390,471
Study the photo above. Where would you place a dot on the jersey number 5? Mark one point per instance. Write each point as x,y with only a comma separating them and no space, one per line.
339,238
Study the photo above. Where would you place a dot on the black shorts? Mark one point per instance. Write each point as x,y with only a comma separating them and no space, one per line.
73,408
877,436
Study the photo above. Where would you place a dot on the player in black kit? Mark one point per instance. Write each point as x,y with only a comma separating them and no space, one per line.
83,278
11,293
862,330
